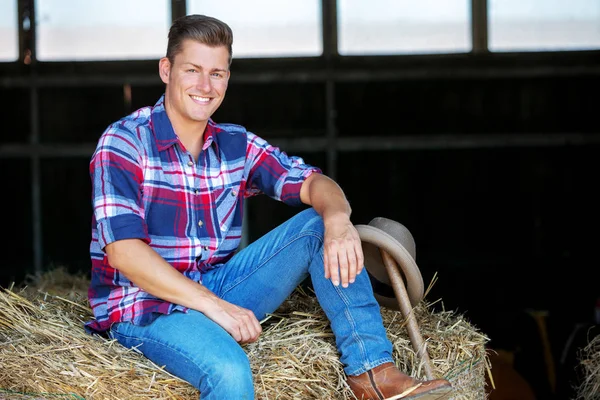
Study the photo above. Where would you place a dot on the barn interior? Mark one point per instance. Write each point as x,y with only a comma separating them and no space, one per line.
472,122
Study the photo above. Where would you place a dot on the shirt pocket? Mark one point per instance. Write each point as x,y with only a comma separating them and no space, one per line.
225,200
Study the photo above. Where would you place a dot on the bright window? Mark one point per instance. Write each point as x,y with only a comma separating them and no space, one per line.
268,28
533,25
9,31
102,30
403,26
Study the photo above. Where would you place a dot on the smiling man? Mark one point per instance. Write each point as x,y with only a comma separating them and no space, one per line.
168,189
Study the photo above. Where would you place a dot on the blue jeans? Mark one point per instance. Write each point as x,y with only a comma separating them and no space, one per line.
260,278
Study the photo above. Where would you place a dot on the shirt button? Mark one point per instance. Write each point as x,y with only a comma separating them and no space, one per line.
205,248
196,191
223,228
190,163
200,223
233,193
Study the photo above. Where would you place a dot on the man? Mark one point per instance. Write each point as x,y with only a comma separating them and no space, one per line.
168,185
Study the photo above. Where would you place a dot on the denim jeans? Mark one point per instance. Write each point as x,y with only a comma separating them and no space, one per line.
260,278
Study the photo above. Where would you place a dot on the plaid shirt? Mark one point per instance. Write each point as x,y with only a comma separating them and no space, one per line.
145,185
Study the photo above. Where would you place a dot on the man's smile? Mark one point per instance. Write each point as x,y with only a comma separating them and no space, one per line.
200,99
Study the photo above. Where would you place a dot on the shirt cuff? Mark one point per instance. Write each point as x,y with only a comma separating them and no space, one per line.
290,193
124,226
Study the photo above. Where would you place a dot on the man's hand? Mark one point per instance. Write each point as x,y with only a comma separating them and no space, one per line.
239,322
343,256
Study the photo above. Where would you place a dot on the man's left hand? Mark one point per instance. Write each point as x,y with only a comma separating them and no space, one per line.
343,256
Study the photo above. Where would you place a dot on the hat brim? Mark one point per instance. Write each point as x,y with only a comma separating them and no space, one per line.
373,239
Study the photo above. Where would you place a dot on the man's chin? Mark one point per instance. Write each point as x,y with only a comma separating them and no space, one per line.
201,118
199,115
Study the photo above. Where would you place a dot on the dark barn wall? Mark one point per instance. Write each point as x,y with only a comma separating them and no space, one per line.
17,248
506,228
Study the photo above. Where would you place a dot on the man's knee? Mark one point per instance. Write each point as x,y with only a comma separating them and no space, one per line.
312,221
234,370
231,377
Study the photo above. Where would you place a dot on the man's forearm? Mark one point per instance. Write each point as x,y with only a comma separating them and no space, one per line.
325,196
150,272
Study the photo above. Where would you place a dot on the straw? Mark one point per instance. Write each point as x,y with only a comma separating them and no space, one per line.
590,365
45,352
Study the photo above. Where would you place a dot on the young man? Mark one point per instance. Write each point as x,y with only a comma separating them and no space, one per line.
168,185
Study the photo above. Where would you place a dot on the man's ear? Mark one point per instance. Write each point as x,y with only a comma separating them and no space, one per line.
164,69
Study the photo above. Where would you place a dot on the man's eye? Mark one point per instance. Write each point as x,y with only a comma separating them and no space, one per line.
218,75
191,70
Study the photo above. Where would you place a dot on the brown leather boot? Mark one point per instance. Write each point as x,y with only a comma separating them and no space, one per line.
386,381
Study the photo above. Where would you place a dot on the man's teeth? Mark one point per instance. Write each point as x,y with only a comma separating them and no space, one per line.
204,99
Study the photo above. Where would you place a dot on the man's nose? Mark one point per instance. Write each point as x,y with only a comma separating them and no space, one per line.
204,84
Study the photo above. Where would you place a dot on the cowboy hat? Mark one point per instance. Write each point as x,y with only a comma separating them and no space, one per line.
397,241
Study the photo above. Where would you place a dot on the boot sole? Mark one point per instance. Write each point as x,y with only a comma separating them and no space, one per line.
436,394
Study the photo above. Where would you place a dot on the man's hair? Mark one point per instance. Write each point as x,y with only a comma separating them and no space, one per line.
200,28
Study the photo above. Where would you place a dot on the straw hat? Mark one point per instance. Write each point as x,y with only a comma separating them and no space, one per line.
397,241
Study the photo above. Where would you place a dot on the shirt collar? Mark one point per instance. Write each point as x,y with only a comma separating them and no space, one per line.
210,136
165,135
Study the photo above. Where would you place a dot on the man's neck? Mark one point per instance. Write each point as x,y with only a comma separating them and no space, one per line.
190,133
192,143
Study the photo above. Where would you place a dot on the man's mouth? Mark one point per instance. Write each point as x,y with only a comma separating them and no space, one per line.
200,99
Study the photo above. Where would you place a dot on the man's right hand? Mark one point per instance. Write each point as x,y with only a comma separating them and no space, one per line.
239,322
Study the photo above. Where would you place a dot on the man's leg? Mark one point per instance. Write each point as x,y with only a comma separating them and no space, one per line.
196,349
264,274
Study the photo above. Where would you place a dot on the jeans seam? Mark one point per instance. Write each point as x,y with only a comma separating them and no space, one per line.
349,318
183,354
300,235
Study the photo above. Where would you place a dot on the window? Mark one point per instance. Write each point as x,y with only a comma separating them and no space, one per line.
533,25
268,28
403,26
9,31
102,30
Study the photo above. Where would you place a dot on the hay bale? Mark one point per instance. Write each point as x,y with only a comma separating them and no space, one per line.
590,365
297,355
44,351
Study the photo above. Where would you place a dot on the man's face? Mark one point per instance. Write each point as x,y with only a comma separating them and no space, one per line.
196,81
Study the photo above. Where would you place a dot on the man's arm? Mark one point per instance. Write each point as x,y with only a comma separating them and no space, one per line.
343,254
150,272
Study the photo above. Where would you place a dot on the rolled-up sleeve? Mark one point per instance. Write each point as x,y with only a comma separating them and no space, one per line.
273,172
117,176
